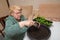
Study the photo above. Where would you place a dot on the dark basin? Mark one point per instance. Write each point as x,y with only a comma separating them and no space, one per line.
41,33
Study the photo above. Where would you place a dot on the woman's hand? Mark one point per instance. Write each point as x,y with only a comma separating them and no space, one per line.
27,23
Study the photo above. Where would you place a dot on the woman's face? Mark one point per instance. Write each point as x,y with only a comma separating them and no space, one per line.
17,13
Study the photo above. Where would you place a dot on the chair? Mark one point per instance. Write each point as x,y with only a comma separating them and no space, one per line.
3,24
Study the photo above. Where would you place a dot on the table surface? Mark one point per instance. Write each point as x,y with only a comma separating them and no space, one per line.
55,32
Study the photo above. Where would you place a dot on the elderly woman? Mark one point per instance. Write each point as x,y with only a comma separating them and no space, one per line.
16,24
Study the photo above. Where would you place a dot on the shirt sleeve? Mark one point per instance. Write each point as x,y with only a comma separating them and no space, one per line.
13,29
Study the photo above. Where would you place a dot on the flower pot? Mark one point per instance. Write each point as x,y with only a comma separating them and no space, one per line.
41,33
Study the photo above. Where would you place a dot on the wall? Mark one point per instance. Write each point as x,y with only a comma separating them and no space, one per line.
3,8
50,11
35,3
